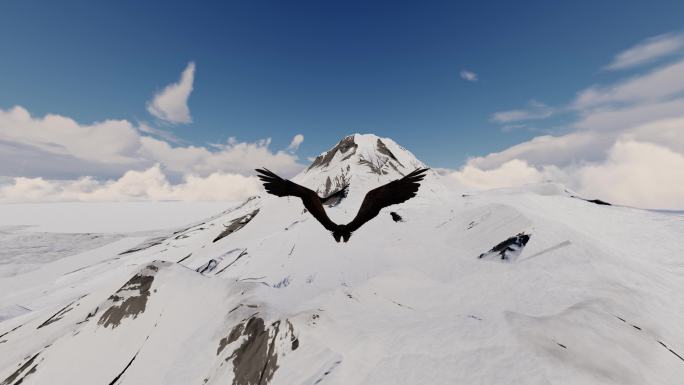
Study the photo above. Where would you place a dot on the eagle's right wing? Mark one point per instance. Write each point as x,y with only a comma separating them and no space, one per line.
282,187
392,193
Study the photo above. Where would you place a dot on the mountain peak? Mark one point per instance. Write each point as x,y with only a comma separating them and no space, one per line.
362,157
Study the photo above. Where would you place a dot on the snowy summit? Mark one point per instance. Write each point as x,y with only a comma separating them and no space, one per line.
517,286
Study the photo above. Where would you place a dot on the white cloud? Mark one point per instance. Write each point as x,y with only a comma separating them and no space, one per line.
60,146
659,84
296,142
171,104
150,184
636,174
468,75
164,134
513,173
534,111
647,51
234,156
49,156
626,144
641,165
110,141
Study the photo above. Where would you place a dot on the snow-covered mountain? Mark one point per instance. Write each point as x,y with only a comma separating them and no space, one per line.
514,286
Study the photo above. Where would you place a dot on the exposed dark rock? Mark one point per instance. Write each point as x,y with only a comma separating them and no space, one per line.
335,189
336,197
345,145
207,267
598,202
291,225
376,165
23,368
89,316
235,333
255,360
242,254
58,316
382,148
510,248
396,217
395,168
10,331
125,304
184,258
114,381
671,351
594,201
293,339
327,372
184,234
285,282
145,245
236,224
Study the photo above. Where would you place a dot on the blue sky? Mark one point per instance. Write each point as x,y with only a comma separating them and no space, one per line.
323,69
173,100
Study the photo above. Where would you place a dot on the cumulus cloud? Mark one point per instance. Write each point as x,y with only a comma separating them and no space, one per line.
110,141
296,142
468,75
171,103
513,173
647,51
637,174
150,184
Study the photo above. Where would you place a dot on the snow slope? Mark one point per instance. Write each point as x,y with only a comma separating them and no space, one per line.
262,294
106,217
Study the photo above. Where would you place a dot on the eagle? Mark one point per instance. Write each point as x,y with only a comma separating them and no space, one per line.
392,193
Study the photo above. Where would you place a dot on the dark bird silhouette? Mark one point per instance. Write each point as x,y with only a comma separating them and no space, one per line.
392,193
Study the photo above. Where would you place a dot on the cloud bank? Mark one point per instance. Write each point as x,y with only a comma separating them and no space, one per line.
625,143
150,184
46,157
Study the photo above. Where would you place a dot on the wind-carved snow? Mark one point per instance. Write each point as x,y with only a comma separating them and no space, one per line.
592,297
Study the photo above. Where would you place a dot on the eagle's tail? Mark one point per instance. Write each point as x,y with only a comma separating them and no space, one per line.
341,233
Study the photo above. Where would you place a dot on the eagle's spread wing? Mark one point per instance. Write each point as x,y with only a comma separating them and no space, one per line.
341,193
282,187
392,193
